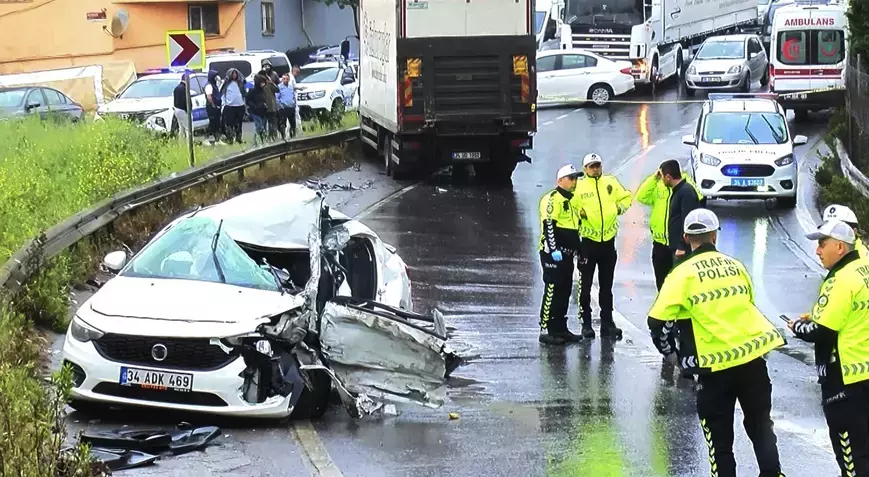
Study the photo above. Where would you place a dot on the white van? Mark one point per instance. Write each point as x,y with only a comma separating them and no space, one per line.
248,63
808,52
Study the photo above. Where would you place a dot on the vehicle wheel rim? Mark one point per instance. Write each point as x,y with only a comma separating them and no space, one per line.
600,96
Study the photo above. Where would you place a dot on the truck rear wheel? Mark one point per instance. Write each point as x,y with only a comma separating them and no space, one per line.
495,172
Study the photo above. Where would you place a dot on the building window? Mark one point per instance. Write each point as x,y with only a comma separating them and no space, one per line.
204,17
267,12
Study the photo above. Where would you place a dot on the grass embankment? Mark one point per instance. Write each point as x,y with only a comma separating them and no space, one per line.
834,186
47,173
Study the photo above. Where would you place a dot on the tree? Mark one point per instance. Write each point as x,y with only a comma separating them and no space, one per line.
858,23
342,4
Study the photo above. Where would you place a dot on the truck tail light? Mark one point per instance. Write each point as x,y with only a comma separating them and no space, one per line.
520,68
413,70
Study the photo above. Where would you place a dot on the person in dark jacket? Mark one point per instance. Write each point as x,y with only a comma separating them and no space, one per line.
233,94
683,200
271,98
180,103
268,72
213,105
256,106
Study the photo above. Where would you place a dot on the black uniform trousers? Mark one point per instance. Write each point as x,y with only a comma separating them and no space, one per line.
662,262
558,283
603,256
847,416
717,394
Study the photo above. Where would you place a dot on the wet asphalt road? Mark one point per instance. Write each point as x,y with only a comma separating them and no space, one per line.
590,409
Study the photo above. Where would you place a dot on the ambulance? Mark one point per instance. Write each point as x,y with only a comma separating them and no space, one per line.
807,54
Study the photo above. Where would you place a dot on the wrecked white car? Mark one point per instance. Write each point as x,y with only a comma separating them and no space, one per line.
256,307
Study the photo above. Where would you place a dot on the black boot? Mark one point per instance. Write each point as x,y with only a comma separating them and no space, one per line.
548,339
587,331
567,334
609,330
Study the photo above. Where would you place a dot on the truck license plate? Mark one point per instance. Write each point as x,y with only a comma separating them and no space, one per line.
157,380
741,182
464,156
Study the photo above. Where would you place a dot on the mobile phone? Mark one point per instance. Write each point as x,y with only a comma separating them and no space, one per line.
785,318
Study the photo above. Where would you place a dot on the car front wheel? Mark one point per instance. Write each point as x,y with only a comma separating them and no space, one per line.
600,94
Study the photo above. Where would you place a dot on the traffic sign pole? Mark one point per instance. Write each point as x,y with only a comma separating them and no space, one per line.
185,49
189,119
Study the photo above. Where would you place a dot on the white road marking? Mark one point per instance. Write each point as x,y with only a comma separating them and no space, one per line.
315,455
547,123
562,116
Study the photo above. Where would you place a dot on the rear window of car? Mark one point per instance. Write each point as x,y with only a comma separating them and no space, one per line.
810,47
12,98
222,67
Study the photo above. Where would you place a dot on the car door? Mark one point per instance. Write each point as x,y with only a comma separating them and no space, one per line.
756,59
573,76
198,101
349,85
58,105
545,76
36,103
387,353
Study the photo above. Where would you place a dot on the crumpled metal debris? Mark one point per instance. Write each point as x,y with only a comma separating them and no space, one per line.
330,187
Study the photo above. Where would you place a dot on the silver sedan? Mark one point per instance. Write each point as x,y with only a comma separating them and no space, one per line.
728,62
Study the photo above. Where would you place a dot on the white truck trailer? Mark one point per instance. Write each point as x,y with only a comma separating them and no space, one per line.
655,35
447,82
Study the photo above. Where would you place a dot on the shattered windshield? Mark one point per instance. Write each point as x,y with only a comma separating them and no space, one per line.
184,252
745,128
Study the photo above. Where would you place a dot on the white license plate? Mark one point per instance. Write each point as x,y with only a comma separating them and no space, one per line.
463,156
740,182
711,79
159,380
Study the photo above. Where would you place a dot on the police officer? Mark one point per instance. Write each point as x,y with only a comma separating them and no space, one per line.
848,216
723,338
839,328
655,193
600,200
559,246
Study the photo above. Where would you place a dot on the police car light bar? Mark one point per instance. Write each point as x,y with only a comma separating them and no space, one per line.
726,96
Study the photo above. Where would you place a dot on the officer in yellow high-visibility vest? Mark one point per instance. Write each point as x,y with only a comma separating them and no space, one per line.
559,246
600,200
845,214
723,339
839,328
655,193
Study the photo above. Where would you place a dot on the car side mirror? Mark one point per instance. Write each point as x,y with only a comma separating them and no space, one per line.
346,80
689,140
32,106
115,261
336,238
799,140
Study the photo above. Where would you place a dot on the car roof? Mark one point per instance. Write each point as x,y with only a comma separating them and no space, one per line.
738,37
242,54
743,105
568,51
16,88
167,76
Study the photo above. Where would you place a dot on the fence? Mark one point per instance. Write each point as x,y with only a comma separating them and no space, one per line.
856,141
86,222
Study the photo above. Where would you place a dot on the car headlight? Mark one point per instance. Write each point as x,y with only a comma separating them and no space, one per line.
692,70
785,160
709,160
734,69
316,94
82,331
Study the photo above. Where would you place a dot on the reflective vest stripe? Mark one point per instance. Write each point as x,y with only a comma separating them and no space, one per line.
860,305
719,293
739,352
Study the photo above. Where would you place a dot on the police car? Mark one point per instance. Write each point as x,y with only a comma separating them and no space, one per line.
742,148
327,86
150,101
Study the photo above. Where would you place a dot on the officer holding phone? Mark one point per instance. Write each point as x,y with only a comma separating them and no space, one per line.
839,328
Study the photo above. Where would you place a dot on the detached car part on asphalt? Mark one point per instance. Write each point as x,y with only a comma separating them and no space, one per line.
255,307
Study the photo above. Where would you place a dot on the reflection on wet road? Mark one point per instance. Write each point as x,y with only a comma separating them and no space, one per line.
599,408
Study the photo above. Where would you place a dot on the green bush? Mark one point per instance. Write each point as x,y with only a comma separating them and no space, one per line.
835,188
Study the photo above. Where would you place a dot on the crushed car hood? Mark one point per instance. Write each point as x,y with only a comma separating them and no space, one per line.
183,308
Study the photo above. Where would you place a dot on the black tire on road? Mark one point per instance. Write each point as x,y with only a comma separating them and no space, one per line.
689,90
746,83
787,202
313,404
764,80
600,94
801,115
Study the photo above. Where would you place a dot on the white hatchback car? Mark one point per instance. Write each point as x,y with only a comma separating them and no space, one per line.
254,307
742,149
578,76
150,101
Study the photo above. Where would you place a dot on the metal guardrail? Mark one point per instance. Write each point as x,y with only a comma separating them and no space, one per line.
850,171
59,237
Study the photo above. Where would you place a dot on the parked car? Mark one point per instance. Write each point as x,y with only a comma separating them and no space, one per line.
255,307
725,62
248,63
325,87
150,101
576,75
46,102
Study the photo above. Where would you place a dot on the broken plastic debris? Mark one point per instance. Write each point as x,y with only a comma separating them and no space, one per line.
454,416
441,190
390,410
